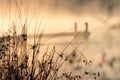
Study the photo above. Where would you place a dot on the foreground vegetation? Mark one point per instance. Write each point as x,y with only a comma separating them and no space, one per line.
20,62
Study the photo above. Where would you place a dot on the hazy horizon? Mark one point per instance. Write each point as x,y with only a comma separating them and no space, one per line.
52,12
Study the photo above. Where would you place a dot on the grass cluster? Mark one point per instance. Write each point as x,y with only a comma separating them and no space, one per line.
20,62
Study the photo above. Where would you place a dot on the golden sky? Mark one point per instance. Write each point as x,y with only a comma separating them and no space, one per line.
54,13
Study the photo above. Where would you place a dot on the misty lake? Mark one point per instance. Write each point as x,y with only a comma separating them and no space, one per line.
105,42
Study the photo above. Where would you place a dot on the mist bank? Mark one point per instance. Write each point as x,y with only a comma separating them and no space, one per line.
53,7
58,13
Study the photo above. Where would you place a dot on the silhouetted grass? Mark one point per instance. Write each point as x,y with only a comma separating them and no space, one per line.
20,62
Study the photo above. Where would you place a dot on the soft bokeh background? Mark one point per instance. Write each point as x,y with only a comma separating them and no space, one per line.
59,16
52,12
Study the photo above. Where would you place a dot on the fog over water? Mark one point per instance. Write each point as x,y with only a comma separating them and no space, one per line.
59,16
64,12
